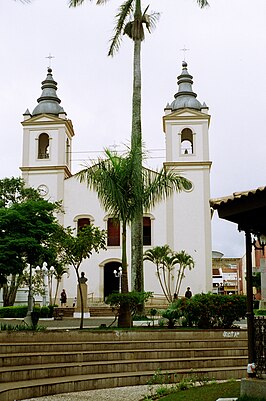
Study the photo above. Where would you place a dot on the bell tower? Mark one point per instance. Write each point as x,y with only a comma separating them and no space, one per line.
188,218
47,142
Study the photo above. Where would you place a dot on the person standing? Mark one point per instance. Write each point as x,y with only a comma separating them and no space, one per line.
188,293
63,298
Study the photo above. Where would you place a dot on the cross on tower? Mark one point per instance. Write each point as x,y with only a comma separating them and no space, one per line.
50,58
184,50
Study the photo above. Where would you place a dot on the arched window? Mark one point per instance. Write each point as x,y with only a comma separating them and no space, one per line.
83,222
186,142
146,231
113,232
43,146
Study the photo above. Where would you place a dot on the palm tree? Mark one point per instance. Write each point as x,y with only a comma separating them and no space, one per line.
130,20
184,260
112,179
165,261
157,256
59,271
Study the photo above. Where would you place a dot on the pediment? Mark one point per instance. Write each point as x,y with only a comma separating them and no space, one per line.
43,118
186,115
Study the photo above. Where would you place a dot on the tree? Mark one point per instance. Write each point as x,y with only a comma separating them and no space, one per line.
26,223
112,179
185,261
165,261
73,249
130,20
157,256
59,271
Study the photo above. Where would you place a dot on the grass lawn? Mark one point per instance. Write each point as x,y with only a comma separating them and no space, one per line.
210,392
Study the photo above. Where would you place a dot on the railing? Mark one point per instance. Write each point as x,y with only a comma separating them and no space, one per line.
90,297
260,345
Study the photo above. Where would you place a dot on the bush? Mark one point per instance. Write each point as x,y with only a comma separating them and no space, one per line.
130,299
13,311
21,311
207,311
127,305
260,312
172,314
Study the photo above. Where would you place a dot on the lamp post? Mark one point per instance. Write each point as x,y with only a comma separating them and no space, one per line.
28,318
44,275
119,275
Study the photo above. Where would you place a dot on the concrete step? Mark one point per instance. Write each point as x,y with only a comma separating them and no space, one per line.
47,386
112,355
33,372
118,345
50,362
101,311
64,312
151,334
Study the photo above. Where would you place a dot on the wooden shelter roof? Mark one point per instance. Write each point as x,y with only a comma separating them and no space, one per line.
247,209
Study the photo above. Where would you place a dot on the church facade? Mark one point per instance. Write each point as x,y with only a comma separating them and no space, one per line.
182,221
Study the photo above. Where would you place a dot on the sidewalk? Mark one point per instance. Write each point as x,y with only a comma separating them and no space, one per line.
65,323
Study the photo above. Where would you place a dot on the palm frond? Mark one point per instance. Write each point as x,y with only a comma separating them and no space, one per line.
158,186
150,19
111,178
125,10
75,3
202,3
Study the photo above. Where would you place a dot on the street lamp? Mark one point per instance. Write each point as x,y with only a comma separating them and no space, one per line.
119,275
45,273
28,319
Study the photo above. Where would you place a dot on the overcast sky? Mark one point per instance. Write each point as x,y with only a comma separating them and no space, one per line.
227,59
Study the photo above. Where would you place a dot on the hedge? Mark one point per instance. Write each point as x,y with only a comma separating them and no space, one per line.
21,311
207,311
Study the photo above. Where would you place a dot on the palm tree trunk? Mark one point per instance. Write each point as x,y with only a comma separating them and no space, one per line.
124,318
160,280
180,278
56,290
137,279
124,286
165,284
169,284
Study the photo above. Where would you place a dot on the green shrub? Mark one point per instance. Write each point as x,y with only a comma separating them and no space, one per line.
172,314
127,305
260,312
13,311
130,299
20,311
20,327
207,311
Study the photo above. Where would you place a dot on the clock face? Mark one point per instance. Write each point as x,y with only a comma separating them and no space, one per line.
43,190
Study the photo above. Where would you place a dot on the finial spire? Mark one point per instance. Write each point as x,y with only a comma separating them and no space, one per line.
185,97
184,50
50,59
48,102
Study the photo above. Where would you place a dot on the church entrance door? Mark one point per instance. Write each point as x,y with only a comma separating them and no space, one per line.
111,283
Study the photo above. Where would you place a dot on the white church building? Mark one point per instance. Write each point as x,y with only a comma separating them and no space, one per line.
183,221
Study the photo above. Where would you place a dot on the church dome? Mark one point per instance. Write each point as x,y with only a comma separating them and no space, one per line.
185,97
48,102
